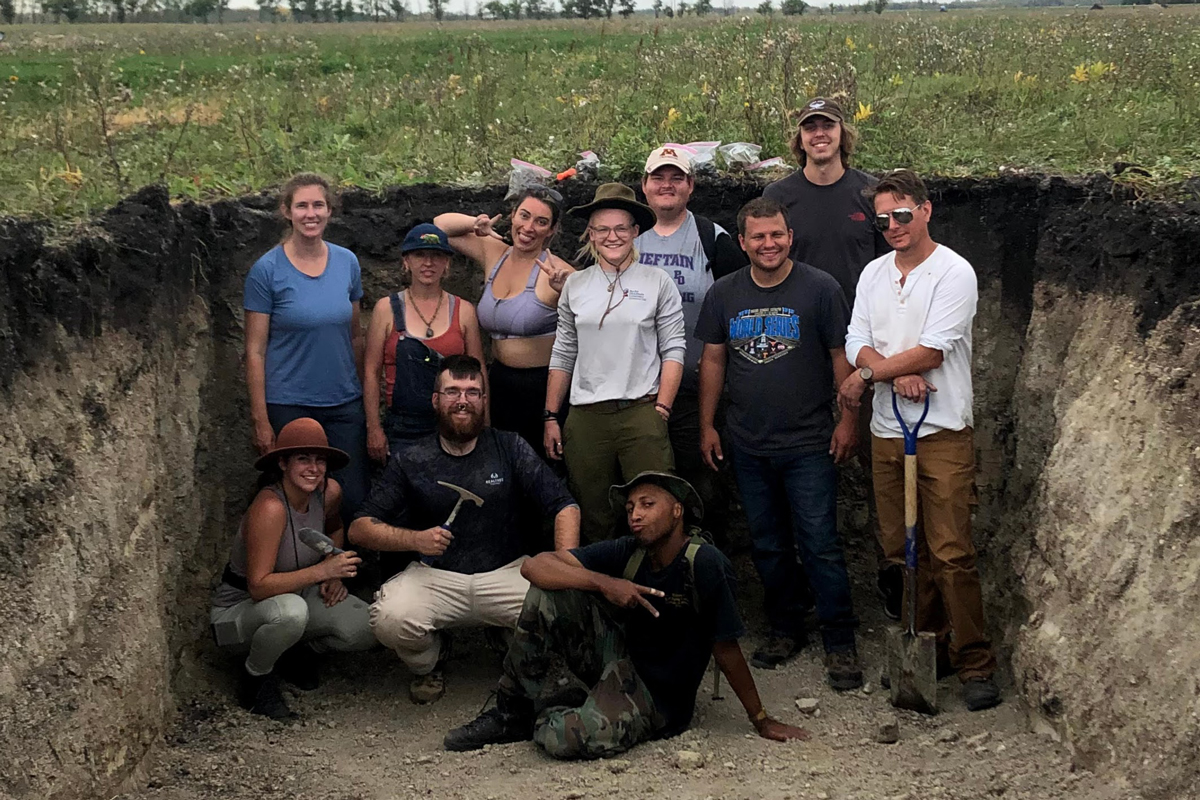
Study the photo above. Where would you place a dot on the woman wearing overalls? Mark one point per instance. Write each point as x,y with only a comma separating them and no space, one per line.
411,332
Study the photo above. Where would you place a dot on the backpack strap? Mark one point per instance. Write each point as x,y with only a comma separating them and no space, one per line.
693,548
634,563
397,299
708,238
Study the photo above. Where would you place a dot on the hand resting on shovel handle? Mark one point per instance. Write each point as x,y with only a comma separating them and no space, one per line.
913,387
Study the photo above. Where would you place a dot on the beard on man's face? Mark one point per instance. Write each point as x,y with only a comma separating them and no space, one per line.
459,429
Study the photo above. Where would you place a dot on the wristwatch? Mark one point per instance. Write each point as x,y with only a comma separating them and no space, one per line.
867,374
548,415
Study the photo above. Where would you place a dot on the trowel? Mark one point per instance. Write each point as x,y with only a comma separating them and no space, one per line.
912,660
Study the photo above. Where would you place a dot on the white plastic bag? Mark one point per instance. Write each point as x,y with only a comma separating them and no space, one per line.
740,155
770,163
524,175
704,162
588,166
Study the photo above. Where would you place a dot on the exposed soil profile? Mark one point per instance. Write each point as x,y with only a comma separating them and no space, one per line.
126,462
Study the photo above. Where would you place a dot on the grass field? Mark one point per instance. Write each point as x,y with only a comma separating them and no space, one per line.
89,112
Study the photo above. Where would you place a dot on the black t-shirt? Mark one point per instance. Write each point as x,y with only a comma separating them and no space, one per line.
671,651
778,369
502,469
832,226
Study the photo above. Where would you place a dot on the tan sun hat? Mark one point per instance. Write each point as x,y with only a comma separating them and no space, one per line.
304,435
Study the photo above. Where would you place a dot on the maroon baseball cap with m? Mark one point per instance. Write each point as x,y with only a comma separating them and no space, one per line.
822,107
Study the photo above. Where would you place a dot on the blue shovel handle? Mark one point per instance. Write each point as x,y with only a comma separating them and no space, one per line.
910,507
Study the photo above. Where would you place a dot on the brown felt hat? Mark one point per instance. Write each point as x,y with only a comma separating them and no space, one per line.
618,195
304,435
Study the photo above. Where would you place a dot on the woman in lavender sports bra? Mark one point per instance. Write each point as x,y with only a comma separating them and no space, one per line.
519,306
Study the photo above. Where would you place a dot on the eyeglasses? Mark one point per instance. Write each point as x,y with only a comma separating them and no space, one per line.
677,178
454,393
621,232
903,216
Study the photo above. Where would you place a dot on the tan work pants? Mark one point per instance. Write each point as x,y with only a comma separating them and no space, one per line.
411,607
949,599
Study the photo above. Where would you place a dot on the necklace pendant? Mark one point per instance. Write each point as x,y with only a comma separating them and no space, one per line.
429,333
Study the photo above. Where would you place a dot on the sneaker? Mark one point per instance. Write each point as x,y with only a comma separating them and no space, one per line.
426,689
511,720
301,667
843,670
260,694
776,650
890,583
980,693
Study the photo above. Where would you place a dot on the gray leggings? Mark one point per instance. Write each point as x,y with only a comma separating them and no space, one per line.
269,627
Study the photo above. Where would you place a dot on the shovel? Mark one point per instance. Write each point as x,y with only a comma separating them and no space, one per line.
913,659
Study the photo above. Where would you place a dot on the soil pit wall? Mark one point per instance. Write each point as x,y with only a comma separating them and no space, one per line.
125,459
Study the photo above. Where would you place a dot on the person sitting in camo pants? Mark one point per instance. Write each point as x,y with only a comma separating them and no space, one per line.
601,662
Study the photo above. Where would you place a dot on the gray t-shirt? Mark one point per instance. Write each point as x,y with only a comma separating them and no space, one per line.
778,369
681,256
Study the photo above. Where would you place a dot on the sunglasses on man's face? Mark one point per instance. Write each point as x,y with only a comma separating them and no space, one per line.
903,216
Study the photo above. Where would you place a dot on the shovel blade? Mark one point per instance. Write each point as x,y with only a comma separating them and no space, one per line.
912,668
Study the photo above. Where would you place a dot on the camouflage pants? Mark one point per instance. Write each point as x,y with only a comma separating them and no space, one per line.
568,656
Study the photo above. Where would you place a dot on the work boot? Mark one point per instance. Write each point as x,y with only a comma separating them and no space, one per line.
426,689
980,693
843,670
511,720
300,666
260,694
776,650
890,583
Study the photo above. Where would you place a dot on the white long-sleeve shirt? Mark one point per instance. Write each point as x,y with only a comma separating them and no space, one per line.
935,308
644,328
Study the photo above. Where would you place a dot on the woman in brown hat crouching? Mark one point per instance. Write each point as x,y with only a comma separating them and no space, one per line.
280,600
619,349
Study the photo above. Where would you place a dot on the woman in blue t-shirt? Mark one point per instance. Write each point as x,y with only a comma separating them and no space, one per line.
304,344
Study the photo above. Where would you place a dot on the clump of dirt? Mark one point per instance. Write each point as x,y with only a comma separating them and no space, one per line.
125,465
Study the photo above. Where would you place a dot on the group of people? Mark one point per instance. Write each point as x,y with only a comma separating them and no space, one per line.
674,349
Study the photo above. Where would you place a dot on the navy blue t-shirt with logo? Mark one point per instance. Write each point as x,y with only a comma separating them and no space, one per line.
778,368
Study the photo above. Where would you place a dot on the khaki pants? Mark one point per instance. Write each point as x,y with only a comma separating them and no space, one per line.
949,599
609,443
411,607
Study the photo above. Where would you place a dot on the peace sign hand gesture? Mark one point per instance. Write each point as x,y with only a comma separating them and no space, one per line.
557,275
484,226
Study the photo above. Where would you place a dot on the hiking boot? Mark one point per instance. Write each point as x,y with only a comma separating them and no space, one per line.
890,583
301,667
980,693
843,670
426,689
775,650
260,694
511,720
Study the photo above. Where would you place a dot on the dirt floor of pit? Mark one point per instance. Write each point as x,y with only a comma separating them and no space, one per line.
360,738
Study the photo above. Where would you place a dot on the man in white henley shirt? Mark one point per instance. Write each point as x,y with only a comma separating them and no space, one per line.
911,327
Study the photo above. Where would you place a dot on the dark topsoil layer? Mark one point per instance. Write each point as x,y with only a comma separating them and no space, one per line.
147,253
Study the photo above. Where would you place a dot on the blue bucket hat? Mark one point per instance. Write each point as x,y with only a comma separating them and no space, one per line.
426,236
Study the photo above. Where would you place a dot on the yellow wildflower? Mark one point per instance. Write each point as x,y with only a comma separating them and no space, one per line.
13,79
896,80
849,43
863,113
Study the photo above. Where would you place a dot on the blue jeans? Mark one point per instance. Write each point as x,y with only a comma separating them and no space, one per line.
346,428
803,488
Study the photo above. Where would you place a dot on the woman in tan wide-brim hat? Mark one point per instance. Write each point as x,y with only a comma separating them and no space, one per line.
619,350
280,600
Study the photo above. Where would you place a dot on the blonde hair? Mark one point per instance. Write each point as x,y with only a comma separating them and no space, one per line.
588,254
